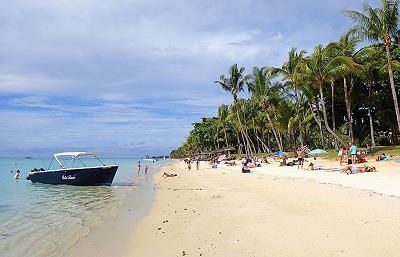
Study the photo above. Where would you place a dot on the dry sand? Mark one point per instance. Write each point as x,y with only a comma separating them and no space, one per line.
271,212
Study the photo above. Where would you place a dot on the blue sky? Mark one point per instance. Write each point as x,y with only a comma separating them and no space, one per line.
128,78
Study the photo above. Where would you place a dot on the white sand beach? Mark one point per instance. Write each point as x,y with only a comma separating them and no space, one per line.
273,211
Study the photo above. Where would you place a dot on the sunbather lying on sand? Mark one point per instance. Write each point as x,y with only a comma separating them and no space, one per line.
232,163
353,170
166,175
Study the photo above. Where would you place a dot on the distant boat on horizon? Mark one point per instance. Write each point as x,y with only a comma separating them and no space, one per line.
82,176
28,157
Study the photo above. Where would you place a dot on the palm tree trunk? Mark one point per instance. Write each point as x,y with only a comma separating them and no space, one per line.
371,123
298,115
274,131
325,117
226,138
333,105
348,109
241,130
392,85
318,120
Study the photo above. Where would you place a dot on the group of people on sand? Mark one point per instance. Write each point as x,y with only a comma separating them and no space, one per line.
352,154
357,156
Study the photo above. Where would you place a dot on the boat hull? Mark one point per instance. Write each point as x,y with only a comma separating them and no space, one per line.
90,176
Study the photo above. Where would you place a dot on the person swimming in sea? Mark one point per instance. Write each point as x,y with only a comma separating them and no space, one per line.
17,174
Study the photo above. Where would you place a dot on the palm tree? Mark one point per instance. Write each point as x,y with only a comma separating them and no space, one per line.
318,70
380,25
290,71
261,89
345,47
370,59
223,112
235,84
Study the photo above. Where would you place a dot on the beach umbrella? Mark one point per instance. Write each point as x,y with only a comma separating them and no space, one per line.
317,152
279,153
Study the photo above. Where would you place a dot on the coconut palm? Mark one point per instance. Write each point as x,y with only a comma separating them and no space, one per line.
380,25
223,112
262,92
371,61
235,84
345,47
318,69
290,72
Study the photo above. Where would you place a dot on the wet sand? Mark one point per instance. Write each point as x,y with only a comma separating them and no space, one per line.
273,211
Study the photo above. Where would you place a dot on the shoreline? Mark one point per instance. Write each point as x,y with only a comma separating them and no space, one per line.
110,238
223,212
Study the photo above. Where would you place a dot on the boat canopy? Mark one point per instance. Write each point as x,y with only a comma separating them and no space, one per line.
74,154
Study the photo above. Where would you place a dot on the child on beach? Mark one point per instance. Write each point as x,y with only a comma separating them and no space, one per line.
340,155
197,164
189,165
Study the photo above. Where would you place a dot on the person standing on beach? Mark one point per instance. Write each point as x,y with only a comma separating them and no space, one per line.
300,157
138,168
189,165
197,164
353,151
146,168
340,155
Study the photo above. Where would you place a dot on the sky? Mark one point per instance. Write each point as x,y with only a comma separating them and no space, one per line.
128,78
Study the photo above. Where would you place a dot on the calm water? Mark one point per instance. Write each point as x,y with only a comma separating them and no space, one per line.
46,220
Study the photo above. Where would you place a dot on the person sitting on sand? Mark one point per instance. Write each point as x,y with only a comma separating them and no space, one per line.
167,175
283,163
353,170
311,166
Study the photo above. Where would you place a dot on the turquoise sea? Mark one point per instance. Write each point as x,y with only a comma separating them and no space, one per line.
47,220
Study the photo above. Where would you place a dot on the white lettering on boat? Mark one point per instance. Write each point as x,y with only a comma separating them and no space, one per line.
68,177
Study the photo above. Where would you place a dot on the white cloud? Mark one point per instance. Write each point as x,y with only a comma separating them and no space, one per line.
138,69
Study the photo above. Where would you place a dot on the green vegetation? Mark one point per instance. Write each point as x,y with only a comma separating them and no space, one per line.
324,99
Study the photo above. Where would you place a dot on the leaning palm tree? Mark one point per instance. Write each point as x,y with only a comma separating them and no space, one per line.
317,70
380,25
235,84
261,88
290,71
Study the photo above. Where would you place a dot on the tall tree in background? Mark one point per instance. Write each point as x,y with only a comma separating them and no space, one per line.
346,46
260,87
318,70
235,84
380,25
290,71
